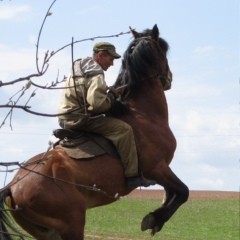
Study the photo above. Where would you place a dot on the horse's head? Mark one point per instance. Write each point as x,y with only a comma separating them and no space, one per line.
145,59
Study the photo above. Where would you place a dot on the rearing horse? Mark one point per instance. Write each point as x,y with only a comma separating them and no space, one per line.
51,192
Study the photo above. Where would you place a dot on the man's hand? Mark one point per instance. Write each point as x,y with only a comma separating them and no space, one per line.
115,91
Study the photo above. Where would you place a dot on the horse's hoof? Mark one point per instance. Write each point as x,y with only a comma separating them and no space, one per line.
154,230
148,222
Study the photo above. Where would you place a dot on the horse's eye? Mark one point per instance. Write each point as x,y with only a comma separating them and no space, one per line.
131,49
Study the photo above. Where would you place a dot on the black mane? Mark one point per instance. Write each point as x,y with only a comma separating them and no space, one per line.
138,60
163,44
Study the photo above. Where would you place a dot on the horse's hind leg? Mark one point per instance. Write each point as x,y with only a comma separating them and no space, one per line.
176,194
73,227
70,215
68,226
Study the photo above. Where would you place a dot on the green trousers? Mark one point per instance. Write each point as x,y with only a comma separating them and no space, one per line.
117,131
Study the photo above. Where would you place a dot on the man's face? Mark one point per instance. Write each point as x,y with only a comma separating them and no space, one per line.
105,61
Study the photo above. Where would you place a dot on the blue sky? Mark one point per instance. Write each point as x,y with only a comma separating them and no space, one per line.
204,58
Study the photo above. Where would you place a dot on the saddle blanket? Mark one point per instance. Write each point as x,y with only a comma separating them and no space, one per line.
81,145
87,149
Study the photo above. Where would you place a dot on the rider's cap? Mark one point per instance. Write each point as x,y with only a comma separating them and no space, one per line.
101,46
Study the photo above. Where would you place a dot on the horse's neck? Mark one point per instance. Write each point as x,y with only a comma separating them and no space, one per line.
150,101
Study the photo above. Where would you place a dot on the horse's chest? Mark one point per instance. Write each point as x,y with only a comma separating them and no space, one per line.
156,141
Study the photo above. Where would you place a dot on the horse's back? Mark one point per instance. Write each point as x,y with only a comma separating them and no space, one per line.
47,175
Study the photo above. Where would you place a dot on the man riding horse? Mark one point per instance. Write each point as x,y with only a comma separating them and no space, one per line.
86,88
51,192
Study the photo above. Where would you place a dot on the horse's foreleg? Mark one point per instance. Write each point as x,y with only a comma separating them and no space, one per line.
168,197
176,194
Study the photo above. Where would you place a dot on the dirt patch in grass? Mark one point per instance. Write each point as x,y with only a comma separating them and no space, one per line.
194,195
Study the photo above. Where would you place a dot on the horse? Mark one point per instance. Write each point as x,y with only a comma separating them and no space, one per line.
49,195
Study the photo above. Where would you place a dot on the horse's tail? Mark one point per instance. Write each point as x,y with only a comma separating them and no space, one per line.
4,219
5,222
8,230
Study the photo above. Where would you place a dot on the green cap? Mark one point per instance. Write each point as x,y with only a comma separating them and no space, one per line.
101,46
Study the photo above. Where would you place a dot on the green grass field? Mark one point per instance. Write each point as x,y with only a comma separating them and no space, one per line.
195,220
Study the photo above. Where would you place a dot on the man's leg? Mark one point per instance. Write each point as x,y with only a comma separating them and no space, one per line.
121,134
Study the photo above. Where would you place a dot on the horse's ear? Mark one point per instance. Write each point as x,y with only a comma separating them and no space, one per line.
134,33
155,32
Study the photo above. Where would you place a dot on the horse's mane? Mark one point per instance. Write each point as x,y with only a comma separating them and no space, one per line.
163,44
137,60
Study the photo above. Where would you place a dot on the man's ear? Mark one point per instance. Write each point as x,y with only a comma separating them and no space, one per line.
100,54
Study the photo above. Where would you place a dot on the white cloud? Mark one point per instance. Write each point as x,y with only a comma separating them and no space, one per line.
233,144
25,58
11,12
20,62
209,170
194,121
203,51
207,183
32,39
14,150
90,10
194,87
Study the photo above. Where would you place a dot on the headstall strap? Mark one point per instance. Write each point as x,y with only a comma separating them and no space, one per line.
158,74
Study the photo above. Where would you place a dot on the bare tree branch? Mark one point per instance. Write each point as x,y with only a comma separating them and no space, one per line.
46,59
20,79
26,109
41,70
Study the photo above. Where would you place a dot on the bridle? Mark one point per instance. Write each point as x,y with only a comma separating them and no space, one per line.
163,76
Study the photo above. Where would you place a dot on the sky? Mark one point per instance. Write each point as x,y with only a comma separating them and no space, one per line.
204,112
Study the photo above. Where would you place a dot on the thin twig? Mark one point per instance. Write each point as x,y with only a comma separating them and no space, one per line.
39,35
26,109
5,177
74,76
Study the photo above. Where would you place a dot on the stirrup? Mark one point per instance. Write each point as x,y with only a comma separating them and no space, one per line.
66,133
139,181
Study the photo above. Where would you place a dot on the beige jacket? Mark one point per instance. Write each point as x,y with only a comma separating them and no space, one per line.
91,91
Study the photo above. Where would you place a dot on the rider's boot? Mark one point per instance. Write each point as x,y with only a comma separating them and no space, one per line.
139,181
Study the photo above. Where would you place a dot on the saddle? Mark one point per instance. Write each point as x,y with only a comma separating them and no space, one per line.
82,145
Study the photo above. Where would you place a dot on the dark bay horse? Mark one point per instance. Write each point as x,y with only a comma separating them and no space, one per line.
51,192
